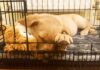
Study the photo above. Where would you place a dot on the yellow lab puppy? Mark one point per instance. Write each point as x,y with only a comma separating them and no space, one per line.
56,28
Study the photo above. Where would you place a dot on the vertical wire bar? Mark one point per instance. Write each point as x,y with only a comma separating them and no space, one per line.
13,22
25,11
2,55
85,8
53,6
0,15
78,55
36,52
99,26
47,6
4,12
99,56
98,15
22,10
95,10
1,24
14,11
91,52
69,54
74,6
42,7
37,6
90,10
66,55
58,8
8,14
79,6
95,57
73,56
19,16
60,55
57,55
20,13
63,7
82,57
85,11
17,9
13,25
69,6
32,6
3,34
87,59
2,31
20,7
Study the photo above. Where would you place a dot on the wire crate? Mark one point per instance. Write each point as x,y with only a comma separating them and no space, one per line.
84,51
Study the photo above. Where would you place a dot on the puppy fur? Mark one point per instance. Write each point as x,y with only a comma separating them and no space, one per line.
20,38
57,28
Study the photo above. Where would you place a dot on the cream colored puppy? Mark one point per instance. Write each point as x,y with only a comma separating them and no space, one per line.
56,28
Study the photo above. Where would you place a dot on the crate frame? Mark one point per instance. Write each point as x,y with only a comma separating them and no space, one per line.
50,62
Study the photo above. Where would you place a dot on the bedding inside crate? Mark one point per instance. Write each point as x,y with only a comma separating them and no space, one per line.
84,48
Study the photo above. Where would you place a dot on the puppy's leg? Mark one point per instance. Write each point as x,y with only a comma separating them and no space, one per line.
85,31
84,24
63,39
93,31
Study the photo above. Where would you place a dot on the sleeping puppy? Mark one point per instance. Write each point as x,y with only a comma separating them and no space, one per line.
56,28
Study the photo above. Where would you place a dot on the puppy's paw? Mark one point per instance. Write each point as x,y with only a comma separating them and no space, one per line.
63,39
8,48
84,32
93,32
20,47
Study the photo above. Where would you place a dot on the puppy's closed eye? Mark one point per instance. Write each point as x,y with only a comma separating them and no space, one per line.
35,23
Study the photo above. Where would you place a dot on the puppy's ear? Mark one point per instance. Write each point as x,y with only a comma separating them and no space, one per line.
30,20
34,23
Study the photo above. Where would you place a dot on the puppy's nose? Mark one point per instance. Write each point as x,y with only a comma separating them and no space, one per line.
28,33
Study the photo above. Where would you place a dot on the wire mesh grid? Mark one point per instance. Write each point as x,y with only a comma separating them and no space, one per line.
83,49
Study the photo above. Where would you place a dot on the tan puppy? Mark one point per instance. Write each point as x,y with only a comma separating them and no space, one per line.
56,28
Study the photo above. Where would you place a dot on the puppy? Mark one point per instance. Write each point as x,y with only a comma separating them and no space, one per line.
56,28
